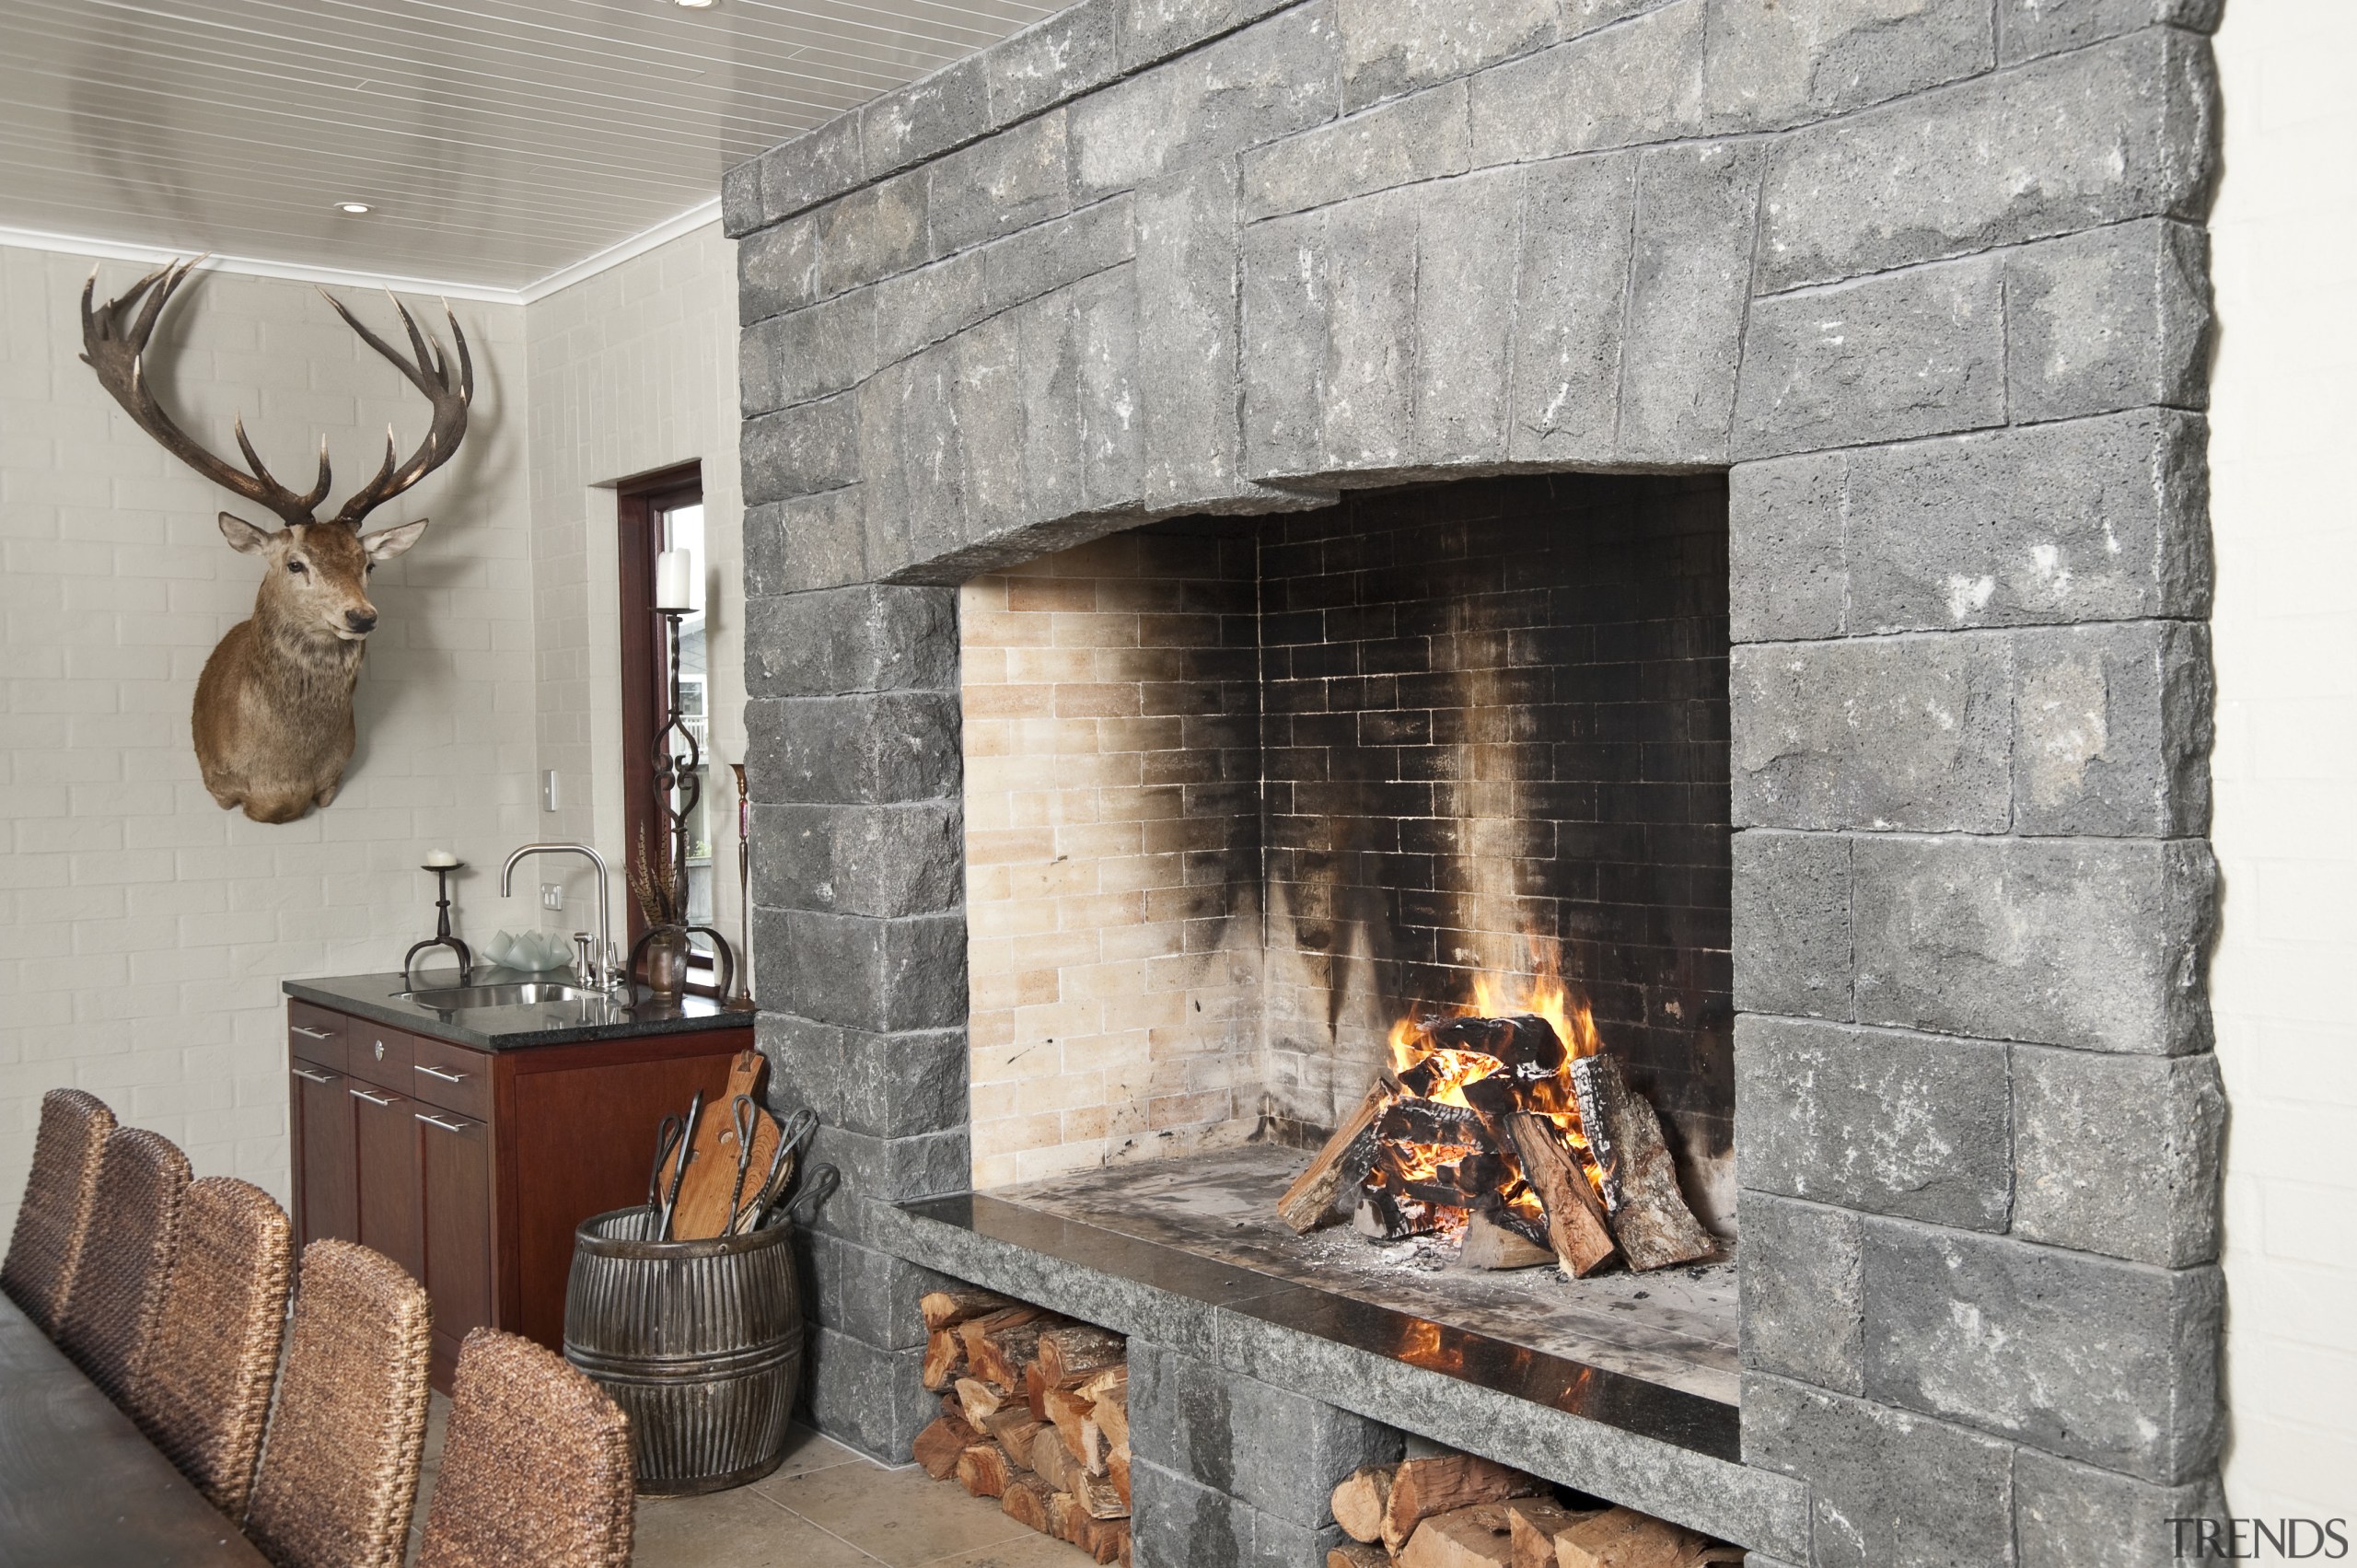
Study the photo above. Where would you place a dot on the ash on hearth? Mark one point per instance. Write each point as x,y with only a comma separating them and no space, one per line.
1513,1131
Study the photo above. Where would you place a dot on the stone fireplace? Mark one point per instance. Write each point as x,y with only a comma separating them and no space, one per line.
1198,454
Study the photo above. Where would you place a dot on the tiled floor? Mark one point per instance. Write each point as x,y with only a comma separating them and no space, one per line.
825,1507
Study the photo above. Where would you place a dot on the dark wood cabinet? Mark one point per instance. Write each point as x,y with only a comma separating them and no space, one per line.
470,1168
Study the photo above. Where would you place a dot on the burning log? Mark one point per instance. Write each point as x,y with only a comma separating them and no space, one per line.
1525,1044
1342,1162
1490,1244
1576,1226
1648,1212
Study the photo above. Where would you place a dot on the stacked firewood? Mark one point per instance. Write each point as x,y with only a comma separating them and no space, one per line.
1454,1511
1034,1412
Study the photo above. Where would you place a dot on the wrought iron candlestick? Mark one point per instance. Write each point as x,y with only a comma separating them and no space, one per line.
679,785
442,938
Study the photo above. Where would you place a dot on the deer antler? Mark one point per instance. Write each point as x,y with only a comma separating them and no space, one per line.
116,350
430,374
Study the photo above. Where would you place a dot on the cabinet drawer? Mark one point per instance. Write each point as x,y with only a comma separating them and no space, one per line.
379,1054
316,1035
450,1076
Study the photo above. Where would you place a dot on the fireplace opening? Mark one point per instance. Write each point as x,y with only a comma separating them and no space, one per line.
1264,814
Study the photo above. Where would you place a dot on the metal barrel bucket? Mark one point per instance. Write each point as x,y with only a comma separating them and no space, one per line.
699,1342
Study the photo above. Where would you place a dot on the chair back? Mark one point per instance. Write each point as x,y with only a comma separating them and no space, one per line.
118,1280
536,1468
203,1389
339,1468
58,1194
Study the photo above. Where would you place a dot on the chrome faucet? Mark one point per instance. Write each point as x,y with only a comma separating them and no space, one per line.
605,977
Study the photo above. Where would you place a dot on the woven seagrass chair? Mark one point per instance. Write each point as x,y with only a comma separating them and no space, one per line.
58,1194
535,1467
202,1389
119,1278
338,1470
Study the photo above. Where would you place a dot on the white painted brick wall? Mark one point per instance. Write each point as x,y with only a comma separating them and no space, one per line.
2284,406
143,931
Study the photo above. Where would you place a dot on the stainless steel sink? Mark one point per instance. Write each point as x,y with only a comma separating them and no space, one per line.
521,993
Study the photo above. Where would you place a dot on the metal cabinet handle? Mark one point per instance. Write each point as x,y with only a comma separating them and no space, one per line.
438,1073
313,1075
311,1034
376,1100
433,1120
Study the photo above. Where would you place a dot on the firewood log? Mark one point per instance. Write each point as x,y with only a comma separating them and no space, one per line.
1026,1501
1716,1556
1341,1162
1621,1538
1124,1555
946,1308
1116,1471
1359,1500
1111,1413
1575,1226
939,1444
1070,1413
1005,1348
1479,1537
1357,1554
1065,1353
1094,1445
1054,1461
1648,1213
972,1329
980,1400
982,1469
1014,1429
1111,1383
1107,1540
1536,1522
1441,1484
945,1358
1064,1513
1489,1245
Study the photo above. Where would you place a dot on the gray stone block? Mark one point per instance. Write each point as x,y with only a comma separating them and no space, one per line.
1112,438
875,860
1413,139
880,1172
1280,1543
811,541
1586,15
1788,574
2112,729
924,119
882,402
884,976
1047,258
2085,942
1912,734
1369,386
1771,65
1058,57
1178,1524
893,747
799,451
2115,1364
1875,1120
1255,85
986,366
2068,1516
1914,352
2122,130
871,234
872,1399
916,310
1187,290
1182,1420
1009,181
1290,1452
1792,923
1466,237
2119,1154
815,167
808,354
1887,1487
868,637
2119,317
886,1086
1570,303
873,1296
1689,285
777,268
1397,46
2026,28
1286,290
1155,30
1803,1292
931,451
1616,89
740,198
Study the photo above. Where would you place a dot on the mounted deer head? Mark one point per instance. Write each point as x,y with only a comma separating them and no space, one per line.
273,720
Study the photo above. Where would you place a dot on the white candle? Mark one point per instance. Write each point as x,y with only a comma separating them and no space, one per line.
674,580
441,857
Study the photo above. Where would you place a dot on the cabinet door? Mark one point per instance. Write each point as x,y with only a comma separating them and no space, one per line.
385,1135
455,1176
326,1173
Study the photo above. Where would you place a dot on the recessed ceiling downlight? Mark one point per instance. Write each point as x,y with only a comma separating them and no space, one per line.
693,4
354,208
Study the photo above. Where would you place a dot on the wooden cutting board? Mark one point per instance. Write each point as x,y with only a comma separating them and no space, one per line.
708,1189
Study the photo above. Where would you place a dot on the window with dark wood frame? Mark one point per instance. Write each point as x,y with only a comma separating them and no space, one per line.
646,508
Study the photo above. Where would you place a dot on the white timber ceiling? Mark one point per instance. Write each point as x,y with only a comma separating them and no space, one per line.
499,145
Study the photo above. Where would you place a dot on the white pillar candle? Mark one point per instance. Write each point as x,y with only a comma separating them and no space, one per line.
674,580
441,857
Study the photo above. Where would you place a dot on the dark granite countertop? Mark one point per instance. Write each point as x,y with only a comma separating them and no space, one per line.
515,1028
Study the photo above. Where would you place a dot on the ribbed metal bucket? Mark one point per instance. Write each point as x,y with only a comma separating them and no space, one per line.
699,1341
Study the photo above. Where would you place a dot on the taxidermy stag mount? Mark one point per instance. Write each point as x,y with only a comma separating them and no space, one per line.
273,707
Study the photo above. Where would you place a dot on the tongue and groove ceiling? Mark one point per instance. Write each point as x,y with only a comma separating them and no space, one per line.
498,142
